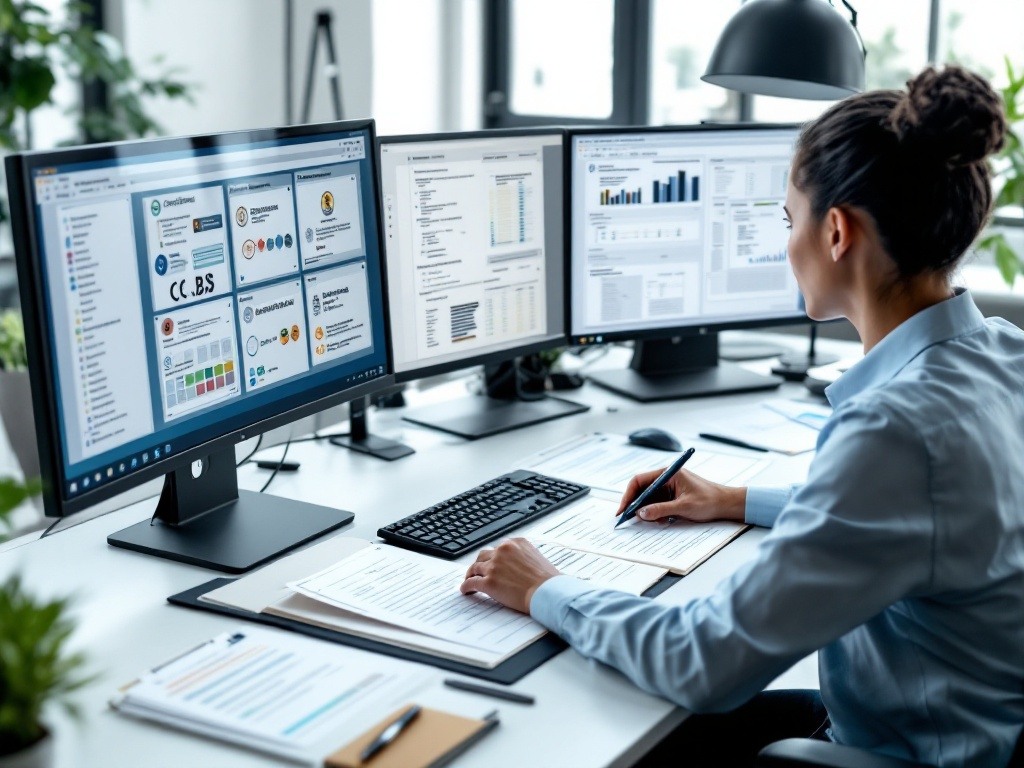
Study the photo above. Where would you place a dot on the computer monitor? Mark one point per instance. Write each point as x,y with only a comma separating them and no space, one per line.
181,295
676,234
473,231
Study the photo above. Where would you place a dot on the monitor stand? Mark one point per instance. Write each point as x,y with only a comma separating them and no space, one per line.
359,437
508,404
203,519
671,369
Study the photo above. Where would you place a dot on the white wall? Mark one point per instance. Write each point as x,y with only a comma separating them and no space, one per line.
233,51
414,65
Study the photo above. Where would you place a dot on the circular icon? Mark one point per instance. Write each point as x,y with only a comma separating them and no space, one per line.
252,345
309,234
160,265
327,203
247,314
279,241
295,333
284,335
287,241
319,333
167,363
154,207
248,249
261,244
320,349
167,326
241,216
270,243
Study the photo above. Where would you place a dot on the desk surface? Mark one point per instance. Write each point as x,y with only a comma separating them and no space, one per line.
585,715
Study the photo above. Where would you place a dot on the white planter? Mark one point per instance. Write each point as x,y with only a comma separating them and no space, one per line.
39,755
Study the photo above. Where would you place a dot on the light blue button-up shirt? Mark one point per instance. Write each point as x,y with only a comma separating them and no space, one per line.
901,558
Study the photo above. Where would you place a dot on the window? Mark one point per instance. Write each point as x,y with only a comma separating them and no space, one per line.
981,38
681,44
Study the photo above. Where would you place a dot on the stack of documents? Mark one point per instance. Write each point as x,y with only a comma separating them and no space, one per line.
410,600
273,692
781,425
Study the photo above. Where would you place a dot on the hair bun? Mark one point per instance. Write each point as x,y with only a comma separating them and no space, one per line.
952,114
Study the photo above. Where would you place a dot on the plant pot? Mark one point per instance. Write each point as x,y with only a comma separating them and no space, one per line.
16,412
39,755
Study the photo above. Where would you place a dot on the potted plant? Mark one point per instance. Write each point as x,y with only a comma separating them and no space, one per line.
35,666
16,394
1009,176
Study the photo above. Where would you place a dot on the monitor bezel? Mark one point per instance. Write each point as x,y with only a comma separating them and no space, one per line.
670,331
28,258
486,358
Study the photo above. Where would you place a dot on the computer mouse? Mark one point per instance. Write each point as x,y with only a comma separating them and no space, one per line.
650,437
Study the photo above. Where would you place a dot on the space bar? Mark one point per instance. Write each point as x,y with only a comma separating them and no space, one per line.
502,522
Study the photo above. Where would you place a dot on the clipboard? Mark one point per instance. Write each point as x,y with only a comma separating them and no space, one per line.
433,739
507,672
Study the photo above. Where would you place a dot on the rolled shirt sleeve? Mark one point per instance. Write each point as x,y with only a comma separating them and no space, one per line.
855,538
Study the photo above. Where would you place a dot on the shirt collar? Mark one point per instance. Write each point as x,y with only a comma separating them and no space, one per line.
946,320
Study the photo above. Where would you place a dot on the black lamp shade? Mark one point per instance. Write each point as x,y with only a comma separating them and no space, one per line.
798,49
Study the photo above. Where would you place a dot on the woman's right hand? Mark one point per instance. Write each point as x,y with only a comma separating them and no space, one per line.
686,496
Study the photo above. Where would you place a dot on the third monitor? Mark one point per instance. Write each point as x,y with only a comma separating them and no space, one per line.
676,234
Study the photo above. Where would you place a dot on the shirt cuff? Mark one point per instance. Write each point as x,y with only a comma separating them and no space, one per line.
764,505
551,601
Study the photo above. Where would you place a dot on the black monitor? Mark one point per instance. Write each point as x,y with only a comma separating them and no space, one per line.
182,295
473,231
678,233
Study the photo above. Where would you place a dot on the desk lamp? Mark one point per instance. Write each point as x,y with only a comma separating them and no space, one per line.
797,49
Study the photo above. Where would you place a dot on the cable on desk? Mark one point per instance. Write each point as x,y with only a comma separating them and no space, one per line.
273,474
50,527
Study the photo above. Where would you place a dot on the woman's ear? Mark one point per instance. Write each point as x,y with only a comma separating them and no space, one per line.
839,226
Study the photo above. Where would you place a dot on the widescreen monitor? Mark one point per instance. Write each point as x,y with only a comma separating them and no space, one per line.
676,234
475,243
182,295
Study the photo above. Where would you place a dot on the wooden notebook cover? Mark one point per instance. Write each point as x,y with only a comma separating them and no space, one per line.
431,740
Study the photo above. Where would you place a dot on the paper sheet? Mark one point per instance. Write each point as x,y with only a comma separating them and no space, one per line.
588,524
610,461
779,425
419,593
599,570
272,691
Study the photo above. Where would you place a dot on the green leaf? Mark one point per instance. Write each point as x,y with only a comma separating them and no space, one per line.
1008,261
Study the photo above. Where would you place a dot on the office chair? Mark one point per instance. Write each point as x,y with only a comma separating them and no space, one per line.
809,753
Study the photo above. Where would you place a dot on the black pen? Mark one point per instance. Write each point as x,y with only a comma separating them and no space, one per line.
486,690
390,733
731,441
631,510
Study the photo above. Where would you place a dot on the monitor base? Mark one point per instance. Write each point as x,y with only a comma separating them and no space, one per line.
475,417
722,379
749,350
250,531
371,445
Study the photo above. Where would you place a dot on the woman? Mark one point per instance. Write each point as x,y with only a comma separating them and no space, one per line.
901,560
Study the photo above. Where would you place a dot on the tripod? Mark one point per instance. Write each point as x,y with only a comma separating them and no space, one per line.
322,31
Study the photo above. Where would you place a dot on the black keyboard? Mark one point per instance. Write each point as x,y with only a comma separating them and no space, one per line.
464,522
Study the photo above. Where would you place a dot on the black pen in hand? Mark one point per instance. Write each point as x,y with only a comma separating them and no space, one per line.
390,733
630,512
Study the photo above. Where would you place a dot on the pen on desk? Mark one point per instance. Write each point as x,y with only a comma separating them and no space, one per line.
486,690
390,733
731,441
630,512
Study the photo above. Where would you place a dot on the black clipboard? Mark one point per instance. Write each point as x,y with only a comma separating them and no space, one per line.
507,672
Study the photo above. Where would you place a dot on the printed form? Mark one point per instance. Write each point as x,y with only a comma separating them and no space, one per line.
609,462
589,525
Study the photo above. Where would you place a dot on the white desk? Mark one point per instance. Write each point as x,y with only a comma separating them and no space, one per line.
585,715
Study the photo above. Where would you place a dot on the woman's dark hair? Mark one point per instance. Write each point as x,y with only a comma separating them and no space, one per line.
914,160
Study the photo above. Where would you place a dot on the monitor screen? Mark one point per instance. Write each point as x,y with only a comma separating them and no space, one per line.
191,288
475,247
676,229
